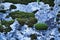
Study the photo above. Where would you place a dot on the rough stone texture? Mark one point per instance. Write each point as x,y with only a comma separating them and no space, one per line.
43,14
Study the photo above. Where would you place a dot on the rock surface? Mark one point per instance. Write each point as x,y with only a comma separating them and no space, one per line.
44,14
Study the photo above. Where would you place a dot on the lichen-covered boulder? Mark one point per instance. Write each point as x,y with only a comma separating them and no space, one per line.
31,21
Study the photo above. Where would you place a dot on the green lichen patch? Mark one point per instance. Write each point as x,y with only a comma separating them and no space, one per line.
21,21
7,26
7,23
31,21
20,1
41,26
19,14
24,18
2,29
50,2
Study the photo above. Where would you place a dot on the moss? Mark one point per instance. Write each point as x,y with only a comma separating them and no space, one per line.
32,21
19,14
24,18
7,23
41,26
21,21
50,2
33,36
30,24
3,11
13,7
19,1
7,29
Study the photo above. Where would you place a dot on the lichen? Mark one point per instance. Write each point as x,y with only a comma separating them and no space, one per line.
50,2
52,39
7,23
20,14
41,26
7,26
31,22
24,18
19,1
21,21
